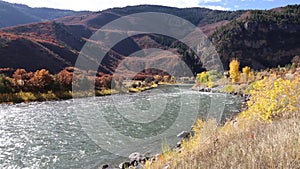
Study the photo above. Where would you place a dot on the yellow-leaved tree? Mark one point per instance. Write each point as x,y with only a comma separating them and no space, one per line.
234,73
245,74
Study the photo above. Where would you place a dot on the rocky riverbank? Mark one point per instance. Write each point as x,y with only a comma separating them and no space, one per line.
138,160
219,89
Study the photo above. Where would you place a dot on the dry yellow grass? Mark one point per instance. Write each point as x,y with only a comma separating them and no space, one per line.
275,145
267,135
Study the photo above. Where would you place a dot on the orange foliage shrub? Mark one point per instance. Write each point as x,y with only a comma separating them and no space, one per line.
64,78
42,80
103,81
21,78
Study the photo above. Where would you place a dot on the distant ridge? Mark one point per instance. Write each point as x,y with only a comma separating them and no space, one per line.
12,14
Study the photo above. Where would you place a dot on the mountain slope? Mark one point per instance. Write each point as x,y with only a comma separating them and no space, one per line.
64,38
261,38
257,38
16,14
20,52
197,16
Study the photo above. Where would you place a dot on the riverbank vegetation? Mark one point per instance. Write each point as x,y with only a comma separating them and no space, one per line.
41,85
265,135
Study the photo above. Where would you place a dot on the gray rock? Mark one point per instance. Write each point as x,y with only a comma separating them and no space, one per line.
134,163
124,165
106,166
148,155
136,157
183,135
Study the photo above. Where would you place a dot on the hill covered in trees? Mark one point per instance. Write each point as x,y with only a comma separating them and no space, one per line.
260,39
58,42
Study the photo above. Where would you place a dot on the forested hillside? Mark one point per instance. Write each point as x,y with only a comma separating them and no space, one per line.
260,39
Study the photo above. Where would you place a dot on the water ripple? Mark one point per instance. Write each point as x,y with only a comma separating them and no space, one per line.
48,134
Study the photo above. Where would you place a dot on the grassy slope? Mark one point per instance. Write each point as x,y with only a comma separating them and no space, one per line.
266,135
274,145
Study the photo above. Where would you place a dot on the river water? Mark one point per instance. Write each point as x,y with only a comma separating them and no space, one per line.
78,133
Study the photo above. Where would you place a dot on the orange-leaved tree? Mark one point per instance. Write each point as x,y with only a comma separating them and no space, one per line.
65,78
42,80
20,80
103,81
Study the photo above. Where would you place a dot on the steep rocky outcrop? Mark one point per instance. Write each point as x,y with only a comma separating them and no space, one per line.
261,39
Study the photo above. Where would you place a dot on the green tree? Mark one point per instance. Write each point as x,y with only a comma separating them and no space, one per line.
202,77
5,84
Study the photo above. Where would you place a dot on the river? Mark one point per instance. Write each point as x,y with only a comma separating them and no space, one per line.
78,133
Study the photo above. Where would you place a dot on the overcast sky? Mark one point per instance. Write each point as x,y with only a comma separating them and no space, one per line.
97,5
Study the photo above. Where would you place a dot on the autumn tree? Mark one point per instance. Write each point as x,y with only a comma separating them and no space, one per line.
83,83
103,81
246,70
65,78
234,73
157,78
251,76
21,78
42,80
202,77
166,78
245,73
213,75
